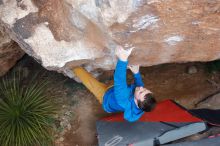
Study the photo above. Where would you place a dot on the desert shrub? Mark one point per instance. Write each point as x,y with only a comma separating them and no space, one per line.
26,113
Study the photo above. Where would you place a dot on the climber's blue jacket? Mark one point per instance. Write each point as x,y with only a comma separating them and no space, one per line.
120,97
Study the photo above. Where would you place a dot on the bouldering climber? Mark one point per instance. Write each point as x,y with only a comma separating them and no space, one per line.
131,99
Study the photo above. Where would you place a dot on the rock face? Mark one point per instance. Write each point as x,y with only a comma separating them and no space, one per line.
61,34
10,52
211,103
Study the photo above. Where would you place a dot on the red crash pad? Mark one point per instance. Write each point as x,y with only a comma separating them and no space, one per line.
165,111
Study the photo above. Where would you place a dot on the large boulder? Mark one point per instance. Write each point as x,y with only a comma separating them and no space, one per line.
10,52
62,34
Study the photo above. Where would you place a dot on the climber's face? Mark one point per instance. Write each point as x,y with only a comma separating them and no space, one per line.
140,93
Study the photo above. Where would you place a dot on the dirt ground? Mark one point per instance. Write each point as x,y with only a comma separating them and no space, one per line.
79,110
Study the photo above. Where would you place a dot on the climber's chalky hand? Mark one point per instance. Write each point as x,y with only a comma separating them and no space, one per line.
134,68
123,54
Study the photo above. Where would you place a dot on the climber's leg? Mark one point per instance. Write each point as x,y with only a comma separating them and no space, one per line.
96,87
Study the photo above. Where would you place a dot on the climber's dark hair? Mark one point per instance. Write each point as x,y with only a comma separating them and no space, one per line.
148,104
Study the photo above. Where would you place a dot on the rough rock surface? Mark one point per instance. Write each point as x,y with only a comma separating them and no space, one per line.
10,52
211,103
61,34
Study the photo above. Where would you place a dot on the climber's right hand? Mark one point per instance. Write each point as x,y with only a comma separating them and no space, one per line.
123,54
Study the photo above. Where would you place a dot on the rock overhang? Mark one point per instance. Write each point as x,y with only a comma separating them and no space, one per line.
68,33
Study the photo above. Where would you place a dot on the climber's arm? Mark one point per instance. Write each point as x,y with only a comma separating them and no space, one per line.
137,76
120,84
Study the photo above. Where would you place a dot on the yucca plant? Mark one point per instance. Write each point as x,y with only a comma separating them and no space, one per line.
26,114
